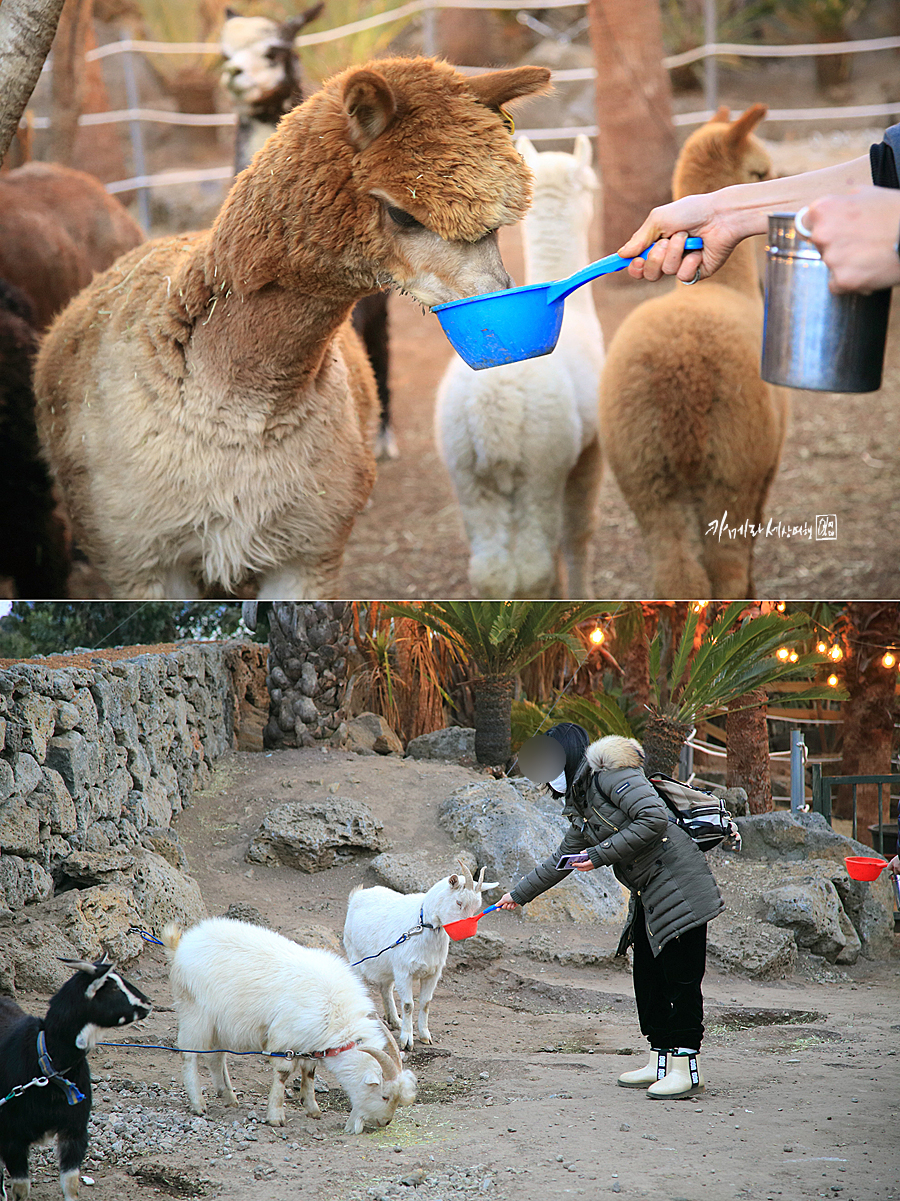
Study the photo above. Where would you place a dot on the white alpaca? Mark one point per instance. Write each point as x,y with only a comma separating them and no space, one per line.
521,441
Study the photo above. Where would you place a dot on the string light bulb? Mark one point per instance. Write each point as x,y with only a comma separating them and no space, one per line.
793,657
821,648
699,606
832,680
597,635
781,606
783,654
835,653
888,659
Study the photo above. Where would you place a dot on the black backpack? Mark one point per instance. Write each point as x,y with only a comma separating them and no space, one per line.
701,814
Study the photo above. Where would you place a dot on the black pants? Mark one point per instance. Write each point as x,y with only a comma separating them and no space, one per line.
667,987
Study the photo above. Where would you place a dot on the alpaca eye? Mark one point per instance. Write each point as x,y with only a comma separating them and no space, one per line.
507,120
402,218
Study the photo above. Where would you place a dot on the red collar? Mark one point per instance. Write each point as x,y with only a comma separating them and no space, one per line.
329,1051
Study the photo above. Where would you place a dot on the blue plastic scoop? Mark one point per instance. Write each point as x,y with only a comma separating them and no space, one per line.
520,323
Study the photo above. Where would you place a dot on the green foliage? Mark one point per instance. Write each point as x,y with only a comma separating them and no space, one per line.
502,637
736,656
324,59
599,715
51,627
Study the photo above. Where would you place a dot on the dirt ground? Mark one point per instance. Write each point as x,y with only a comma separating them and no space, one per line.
517,1096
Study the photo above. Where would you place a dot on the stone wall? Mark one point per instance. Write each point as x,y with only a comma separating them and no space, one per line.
102,753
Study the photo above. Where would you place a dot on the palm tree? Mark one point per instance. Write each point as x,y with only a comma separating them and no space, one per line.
734,665
499,639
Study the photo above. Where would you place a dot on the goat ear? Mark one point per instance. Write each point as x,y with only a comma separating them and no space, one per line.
289,30
499,87
454,881
745,124
369,105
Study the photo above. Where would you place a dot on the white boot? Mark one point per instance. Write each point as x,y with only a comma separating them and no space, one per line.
641,1077
682,1080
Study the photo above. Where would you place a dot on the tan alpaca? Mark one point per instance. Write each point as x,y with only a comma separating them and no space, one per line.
691,431
203,404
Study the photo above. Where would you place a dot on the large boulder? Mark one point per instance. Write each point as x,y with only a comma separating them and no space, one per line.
511,827
454,743
368,734
783,835
749,948
315,835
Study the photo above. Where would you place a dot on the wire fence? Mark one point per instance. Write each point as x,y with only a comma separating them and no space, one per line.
136,115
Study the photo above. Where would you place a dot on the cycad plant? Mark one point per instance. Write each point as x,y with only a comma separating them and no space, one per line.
499,639
735,658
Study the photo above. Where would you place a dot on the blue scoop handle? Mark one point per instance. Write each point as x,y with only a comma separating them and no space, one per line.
489,909
613,262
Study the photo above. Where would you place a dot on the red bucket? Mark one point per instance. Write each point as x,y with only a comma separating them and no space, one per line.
864,867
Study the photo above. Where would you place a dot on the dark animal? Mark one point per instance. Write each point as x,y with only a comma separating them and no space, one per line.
55,1047
34,551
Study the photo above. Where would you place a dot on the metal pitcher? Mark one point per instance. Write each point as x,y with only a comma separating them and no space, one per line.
812,338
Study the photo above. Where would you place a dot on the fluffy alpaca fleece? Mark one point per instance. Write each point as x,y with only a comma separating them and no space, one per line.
58,227
689,428
613,753
521,441
204,406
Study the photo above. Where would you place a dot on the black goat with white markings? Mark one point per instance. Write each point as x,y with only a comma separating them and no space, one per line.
45,1081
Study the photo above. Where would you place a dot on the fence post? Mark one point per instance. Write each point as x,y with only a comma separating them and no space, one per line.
137,137
798,757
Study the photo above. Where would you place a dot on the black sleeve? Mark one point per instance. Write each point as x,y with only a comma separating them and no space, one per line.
884,159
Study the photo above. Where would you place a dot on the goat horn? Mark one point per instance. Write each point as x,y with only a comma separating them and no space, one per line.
480,882
467,875
384,1061
392,1048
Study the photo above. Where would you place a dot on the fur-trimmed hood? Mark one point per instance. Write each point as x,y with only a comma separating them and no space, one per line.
614,752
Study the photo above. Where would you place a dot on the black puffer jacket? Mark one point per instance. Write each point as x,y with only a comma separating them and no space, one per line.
619,819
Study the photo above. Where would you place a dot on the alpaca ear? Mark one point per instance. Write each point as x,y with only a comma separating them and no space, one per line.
722,115
527,151
370,106
499,87
289,30
745,124
584,154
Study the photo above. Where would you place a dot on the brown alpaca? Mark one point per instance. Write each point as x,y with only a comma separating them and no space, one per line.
58,228
204,405
690,430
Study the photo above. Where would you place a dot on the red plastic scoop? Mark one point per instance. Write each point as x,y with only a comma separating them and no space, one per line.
860,867
466,926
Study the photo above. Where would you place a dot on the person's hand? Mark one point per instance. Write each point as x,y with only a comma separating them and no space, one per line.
583,865
669,226
856,236
894,865
506,902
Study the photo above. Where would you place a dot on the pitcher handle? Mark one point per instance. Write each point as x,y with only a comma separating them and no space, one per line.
613,262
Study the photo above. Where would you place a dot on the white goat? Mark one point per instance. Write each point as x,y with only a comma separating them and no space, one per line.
521,442
244,988
377,917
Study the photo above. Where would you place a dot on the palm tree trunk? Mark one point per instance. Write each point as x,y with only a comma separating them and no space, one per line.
871,707
493,719
636,146
747,738
663,740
